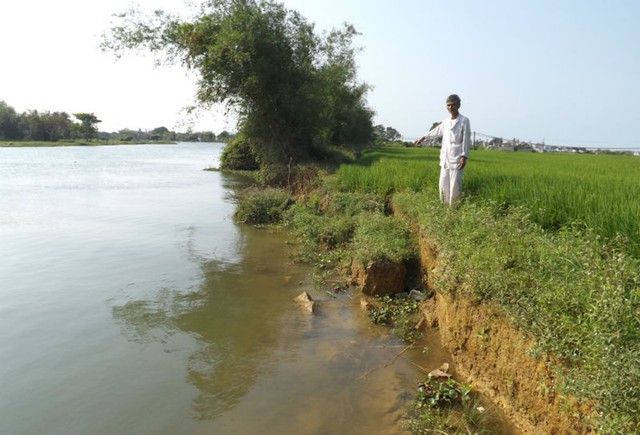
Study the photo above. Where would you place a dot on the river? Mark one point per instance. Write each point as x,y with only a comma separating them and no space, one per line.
131,303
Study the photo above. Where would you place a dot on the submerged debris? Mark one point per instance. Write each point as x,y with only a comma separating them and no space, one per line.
440,372
417,295
306,301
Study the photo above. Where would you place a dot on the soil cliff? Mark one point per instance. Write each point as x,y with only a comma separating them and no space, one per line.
488,350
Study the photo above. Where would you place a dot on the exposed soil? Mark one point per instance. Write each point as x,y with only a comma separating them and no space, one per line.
492,354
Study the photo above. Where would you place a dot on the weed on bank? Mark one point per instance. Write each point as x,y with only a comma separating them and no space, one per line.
347,227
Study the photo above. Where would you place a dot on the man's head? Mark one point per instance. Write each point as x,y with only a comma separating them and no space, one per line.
453,105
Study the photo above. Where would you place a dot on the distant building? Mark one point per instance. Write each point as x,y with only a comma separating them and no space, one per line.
525,147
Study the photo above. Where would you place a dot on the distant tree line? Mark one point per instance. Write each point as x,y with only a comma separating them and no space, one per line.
384,134
45,126
163,134
57,126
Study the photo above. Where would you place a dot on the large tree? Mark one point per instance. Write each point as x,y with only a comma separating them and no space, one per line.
47,126
88,125
386,134
57,126
294,91
10,123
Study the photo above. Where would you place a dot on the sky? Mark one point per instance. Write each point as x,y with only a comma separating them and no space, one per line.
562,72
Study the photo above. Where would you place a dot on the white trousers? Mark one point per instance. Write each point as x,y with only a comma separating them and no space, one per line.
450,185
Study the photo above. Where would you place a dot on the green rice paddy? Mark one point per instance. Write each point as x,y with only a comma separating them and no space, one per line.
600,192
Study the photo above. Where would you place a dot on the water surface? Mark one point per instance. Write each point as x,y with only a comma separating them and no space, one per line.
130,302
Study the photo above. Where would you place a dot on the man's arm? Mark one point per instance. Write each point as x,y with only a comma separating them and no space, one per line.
435,132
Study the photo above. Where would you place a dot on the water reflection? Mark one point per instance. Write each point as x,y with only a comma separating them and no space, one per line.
235,316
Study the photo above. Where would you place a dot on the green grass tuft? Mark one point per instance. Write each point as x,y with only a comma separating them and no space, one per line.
262,206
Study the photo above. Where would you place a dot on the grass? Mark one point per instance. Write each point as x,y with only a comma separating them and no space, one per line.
348,226
380,237
576,293
600,192
388,170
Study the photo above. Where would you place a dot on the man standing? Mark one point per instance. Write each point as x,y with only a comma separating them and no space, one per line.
455,133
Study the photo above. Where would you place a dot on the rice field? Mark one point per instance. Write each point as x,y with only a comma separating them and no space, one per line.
387,170
600,192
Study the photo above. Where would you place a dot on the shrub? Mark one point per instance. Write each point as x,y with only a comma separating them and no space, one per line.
262,206
238,155
318,232
326,222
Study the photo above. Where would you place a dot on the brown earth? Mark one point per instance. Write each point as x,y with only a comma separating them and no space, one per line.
379,278
489,352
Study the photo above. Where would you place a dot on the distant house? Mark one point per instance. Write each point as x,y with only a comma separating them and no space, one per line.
496,142
542,148
526,147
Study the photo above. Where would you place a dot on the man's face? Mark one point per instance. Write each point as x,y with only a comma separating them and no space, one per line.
453,107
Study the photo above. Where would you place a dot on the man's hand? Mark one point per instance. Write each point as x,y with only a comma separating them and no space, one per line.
419,141
462,162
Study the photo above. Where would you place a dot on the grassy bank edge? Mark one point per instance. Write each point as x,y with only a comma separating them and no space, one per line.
577,295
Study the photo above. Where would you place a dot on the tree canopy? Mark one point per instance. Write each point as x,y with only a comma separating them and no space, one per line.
386,134
10,123
88,122
294,91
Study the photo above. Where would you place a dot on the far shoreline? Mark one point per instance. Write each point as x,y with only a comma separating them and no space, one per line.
33,144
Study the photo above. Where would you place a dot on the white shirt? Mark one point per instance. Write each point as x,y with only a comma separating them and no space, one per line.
456,140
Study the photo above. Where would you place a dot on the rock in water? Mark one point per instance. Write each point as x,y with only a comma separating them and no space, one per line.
417,295
440,372
306,301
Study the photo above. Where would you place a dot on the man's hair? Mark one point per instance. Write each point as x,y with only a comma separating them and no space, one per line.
453,98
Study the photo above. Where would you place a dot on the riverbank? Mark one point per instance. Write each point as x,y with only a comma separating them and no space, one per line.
572,297
496,355
536,318
487,348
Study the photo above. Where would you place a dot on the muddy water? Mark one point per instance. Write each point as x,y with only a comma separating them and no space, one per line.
131,303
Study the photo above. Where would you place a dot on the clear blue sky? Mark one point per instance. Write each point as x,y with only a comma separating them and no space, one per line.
563,71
